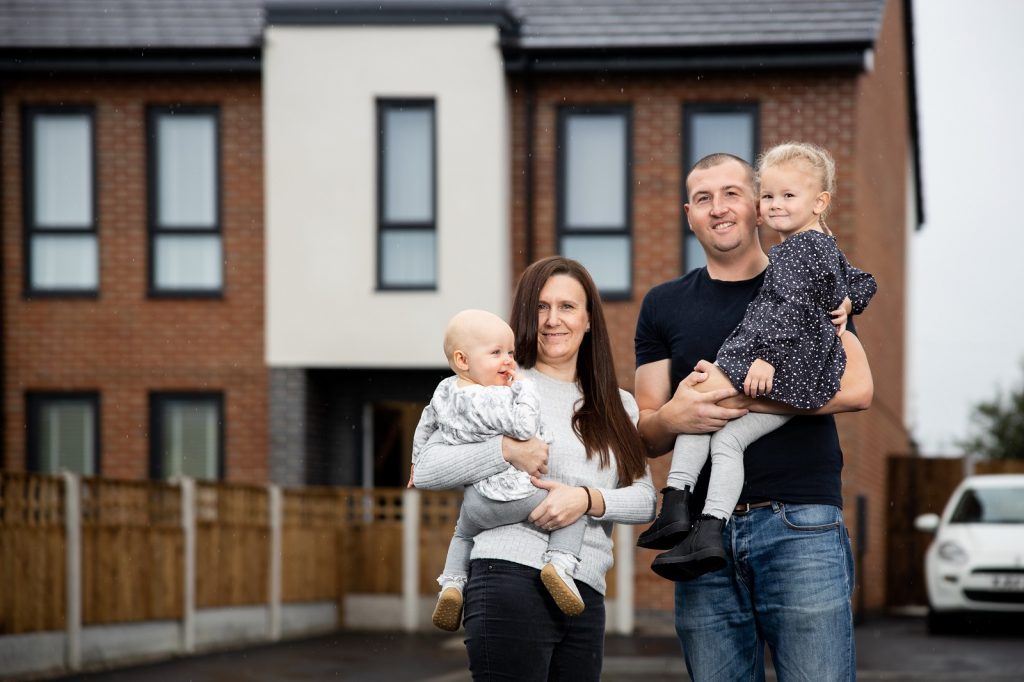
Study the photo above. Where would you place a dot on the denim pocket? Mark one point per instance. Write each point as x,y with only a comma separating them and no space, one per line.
811,517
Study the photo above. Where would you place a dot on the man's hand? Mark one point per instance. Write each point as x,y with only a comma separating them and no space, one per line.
530,456
691,411
664,415
759,379
841,315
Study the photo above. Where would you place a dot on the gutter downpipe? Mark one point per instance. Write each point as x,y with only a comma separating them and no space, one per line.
528,132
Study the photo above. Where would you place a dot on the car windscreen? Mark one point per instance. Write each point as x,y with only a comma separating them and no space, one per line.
990,505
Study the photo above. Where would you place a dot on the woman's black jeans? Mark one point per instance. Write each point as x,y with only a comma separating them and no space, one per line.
514,631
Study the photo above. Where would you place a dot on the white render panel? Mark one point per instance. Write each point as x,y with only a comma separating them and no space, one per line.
321,85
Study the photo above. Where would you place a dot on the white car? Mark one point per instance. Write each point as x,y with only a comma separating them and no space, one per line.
976,561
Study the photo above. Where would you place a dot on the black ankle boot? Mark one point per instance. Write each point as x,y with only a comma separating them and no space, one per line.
672,524
701,552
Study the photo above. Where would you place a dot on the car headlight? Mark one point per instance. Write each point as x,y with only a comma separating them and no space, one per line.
952,552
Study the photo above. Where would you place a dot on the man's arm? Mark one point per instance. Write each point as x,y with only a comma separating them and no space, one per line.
856,389
664,415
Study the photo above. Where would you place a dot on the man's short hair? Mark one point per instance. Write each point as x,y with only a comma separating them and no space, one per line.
717,159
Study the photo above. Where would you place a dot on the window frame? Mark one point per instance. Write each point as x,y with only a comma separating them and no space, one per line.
153,229
157,399
383,105
36,400
696,108
28,165
565,112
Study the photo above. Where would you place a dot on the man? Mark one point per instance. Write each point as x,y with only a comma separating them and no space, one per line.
789,573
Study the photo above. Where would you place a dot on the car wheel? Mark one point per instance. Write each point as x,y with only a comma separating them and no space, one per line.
940,623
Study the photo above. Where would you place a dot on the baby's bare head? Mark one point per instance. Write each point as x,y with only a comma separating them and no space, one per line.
476,344
472,327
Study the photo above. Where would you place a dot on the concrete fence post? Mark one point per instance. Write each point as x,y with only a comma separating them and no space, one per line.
73,570
188,528
410,558
625,554
275,509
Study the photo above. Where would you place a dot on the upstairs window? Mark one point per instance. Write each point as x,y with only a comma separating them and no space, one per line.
406,195
63,432
185,236
594,198
712,129
61,246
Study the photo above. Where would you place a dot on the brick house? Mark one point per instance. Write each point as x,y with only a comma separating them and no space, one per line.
378,166
133,240
637,91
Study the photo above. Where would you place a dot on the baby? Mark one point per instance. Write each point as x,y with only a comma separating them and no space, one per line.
485,399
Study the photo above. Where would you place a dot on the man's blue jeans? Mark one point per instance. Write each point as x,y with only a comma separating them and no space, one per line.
788,584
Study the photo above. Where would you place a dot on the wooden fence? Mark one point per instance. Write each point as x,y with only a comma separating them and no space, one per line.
921,485
333,541
31,553
131,551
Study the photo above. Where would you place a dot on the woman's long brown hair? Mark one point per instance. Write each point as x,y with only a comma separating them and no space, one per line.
601,422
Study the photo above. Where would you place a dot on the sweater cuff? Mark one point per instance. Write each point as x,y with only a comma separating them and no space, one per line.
633,504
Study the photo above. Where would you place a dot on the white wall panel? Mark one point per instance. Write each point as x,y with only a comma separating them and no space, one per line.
321,85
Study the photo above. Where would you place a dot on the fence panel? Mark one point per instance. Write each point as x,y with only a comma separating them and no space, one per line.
999,466
917,485
232,545
371,558
32,565
131,551
310,530
438,513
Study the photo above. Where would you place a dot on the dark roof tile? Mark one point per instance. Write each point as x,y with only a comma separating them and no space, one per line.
545,24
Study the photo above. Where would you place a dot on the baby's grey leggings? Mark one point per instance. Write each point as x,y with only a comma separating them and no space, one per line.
481,513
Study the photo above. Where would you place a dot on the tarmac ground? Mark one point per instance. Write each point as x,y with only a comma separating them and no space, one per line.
890,649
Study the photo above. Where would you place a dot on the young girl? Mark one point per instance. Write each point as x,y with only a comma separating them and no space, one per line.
484,399
786,348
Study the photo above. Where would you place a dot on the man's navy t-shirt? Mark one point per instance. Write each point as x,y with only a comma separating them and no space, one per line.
686,320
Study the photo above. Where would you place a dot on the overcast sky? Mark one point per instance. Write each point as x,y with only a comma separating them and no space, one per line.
966,268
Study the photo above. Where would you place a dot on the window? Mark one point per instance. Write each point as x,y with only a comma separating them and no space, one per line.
61,247
710,129
406,195
187,435
594,198
185,241
63,432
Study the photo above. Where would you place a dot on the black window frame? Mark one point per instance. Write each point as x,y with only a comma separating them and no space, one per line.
30,229
689,110
36,400
157,399
565,112
383,105
153,229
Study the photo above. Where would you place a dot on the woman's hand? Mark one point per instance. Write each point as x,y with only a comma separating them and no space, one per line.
562,507
530,456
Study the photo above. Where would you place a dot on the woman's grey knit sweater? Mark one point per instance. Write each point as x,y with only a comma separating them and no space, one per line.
443,466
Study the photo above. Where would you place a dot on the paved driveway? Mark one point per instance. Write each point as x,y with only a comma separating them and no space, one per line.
890,649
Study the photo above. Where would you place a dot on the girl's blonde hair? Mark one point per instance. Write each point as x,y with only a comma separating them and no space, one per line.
818,158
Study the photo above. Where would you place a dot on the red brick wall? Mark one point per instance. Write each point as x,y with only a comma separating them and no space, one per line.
879,239
837,111
123,344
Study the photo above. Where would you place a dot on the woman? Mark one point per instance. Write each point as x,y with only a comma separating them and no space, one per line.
597,468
